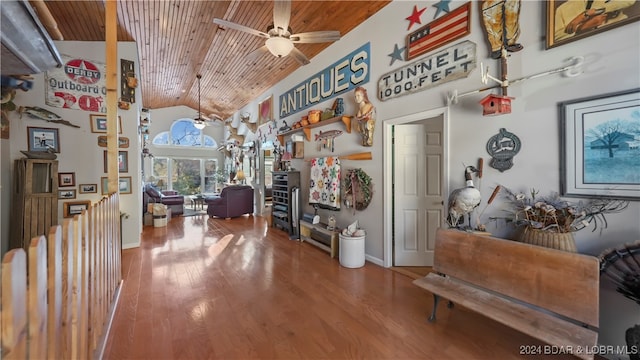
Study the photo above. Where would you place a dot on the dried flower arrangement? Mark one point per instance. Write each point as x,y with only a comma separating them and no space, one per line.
554,214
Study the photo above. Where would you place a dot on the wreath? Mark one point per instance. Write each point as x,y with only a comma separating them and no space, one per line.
358,189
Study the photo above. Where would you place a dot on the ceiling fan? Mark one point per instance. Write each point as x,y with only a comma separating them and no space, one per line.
280,41
201,121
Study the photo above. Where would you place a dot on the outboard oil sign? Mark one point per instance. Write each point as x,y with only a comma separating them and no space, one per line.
79,85
82,71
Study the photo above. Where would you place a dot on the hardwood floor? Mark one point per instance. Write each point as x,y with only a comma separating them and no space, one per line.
204,288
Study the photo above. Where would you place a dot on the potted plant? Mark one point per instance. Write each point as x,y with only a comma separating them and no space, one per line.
551,221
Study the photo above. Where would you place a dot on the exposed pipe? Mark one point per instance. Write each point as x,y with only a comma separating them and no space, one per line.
47,19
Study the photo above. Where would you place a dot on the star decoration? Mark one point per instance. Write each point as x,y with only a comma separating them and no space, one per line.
396,54
442,5
415,16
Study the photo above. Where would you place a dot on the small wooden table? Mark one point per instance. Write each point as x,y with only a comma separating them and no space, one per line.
331,236
197,200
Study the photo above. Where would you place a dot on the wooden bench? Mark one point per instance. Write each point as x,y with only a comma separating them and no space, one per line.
548,294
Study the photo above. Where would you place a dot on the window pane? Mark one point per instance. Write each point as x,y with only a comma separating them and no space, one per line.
183,133
161,139
160,172
210,167
209,142
185,176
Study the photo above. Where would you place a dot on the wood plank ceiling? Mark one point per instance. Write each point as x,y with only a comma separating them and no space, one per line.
177,40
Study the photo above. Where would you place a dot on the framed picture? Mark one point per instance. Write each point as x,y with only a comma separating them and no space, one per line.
67,194
265,110
299,150
570,20
600,146
71,208
288,147
124,185
43,139
123,161
99,123
123,142
66,179
88,188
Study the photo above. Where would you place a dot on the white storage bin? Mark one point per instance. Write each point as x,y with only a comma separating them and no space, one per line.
159,221
352,251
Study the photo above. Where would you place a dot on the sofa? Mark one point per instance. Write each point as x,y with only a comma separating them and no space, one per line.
233,201
170,198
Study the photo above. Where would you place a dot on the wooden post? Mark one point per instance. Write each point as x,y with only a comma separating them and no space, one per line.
111,41
503,72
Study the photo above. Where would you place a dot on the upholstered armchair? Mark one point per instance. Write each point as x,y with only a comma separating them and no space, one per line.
235,200
170,198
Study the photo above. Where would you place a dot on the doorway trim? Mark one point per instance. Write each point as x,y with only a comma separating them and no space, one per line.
387,165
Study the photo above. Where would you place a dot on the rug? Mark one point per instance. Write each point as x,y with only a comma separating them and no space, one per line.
191,212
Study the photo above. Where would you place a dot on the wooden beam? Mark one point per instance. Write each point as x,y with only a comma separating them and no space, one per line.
111,41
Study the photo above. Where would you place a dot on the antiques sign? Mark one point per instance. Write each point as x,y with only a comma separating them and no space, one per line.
450,64
79,84
344,75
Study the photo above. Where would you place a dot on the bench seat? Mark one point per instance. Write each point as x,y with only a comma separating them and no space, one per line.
548,294
531,321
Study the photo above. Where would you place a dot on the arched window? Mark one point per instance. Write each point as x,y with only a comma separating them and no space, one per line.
184,133
186,175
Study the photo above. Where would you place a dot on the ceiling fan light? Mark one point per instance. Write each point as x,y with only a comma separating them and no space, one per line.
279,46
199,124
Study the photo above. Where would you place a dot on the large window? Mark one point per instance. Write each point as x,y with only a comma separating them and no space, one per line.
184,133
187,175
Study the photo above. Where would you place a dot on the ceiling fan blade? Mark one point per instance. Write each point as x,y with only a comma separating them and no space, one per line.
256,54
316,37
299,56
232,25
281,15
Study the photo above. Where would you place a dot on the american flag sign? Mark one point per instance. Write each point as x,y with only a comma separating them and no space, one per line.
450,27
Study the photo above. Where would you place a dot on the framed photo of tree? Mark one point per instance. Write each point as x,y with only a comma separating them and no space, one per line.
600,146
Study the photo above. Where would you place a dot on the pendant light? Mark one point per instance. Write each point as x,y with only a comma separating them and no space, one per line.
198,121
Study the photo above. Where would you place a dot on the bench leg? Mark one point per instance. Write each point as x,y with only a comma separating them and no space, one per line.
436,298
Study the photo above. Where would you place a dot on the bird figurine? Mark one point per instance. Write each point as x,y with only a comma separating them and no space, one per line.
463,201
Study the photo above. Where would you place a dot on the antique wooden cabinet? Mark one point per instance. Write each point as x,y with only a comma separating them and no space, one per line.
35,200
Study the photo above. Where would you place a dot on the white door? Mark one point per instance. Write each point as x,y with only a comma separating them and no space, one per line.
418,166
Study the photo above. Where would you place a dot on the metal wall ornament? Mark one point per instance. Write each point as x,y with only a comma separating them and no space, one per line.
127,78
503,147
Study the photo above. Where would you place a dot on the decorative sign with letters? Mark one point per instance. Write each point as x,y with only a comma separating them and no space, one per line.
342,76
452,63
79,84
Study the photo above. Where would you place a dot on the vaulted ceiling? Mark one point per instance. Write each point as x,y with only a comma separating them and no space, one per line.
177,40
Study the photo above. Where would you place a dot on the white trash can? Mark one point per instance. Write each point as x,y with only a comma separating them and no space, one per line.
351,251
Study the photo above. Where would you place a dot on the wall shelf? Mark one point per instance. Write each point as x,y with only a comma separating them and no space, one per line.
307,129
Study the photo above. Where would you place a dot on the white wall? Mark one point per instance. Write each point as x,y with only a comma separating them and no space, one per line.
79,150
611,64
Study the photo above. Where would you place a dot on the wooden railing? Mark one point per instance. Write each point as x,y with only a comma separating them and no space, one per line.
58,297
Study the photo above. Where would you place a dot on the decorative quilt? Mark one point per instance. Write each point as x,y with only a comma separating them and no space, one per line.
324,189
